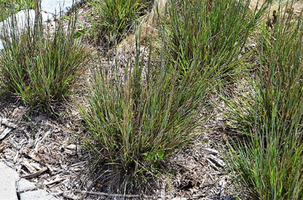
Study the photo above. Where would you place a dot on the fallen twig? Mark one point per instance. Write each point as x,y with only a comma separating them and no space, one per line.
118,195
38,173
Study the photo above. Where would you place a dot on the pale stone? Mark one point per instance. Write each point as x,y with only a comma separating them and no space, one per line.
25,185
58,7
37,194
8,179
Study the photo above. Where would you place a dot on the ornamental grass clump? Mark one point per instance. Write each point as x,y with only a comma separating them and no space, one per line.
115,19
39,67
214,31
137,119
269,112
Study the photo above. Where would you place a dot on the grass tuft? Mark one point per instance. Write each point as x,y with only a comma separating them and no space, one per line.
137,120
39,67
141,116
115,19
269,112
209,31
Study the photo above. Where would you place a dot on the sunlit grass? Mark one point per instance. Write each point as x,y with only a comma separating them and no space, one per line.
9,6
269,112
115,19
141,116
38,67
209,31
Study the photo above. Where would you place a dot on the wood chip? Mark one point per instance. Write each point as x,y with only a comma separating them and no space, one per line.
69,195
71,147
28,166
2,147
53,181
217,161
35,165
79,164
212,164
38,173
118,195
40,158
5,122
211,151
40,141
5,132
16,157
35,156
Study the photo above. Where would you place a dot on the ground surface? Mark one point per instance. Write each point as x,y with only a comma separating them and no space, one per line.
37,141
40,141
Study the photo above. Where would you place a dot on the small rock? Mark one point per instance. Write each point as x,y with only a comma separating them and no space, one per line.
25,185
58,7
38,194
8,178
